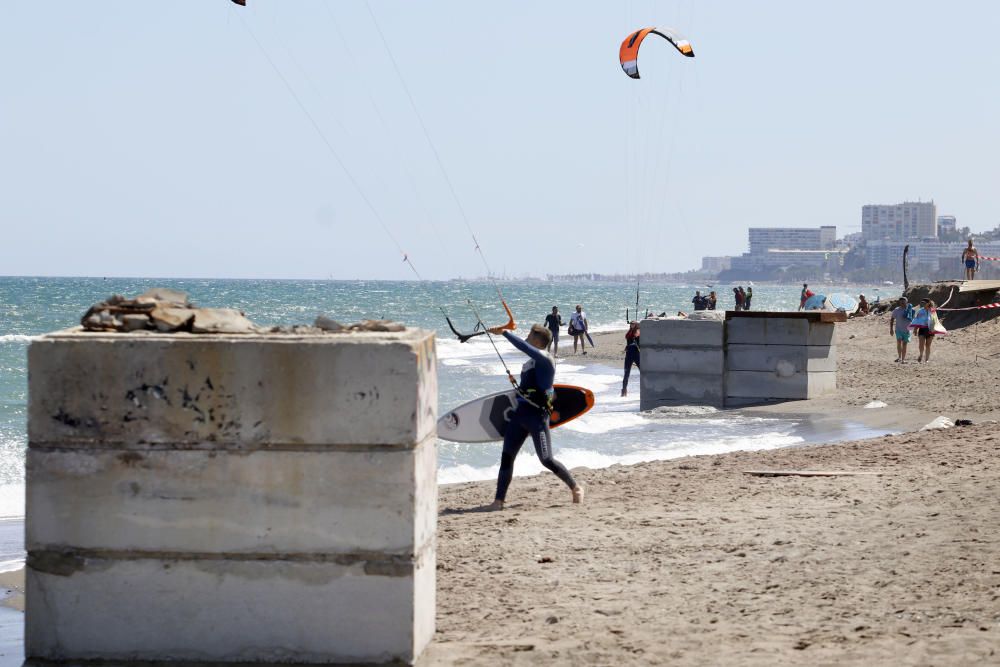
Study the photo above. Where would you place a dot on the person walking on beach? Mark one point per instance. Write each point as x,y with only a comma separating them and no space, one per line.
699,301
803,296
712,299
970,256
578,328
631,352
927,325
553,322
531,413
899,325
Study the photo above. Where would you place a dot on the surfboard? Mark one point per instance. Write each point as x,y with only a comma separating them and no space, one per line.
485,419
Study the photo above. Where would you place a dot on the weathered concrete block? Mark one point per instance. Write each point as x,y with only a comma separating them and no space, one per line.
368,388
261,502
781,359
777,331
658,389
211,610
764,385
682,333
682,360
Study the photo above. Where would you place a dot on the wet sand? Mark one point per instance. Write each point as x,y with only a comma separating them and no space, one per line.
691,561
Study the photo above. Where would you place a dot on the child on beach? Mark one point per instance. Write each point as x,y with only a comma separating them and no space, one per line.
531,414
927,325
899,325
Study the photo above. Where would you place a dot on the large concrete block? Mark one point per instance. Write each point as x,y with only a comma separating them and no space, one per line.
367,388
702,361
682,333
87,607
763,385
261,502
658,389
777,331
781,359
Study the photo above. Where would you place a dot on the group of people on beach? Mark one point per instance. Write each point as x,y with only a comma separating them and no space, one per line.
578,329
704,302
924,322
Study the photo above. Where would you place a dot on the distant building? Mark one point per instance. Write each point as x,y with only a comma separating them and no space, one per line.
899,222
947,224
930,254
763,239
716,264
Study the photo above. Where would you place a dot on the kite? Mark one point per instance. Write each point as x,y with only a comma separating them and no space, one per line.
628,54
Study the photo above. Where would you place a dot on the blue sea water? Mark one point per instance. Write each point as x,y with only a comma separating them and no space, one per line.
613,432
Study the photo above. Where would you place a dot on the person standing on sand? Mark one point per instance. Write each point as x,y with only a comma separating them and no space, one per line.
804,296
578,328
712,300
899,325
698,301
970,256
531,413
748,298
737,299
631,352
553,322
927,325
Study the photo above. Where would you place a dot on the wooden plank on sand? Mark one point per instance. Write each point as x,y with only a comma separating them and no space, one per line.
809,473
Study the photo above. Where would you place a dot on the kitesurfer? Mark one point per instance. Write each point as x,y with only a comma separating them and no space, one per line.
531,413
631,352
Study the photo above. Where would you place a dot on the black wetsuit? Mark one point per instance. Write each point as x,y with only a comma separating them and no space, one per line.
553,322
631,357
530,417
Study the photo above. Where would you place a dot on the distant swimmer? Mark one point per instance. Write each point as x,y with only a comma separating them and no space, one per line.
970,256
631,352
531,414
554,322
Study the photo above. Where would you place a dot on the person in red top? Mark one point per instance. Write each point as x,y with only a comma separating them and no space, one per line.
631,352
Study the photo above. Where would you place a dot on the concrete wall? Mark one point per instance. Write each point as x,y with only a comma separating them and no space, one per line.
683,363
778,358
231,498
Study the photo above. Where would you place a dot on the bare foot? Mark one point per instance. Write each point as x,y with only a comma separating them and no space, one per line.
495,506
577,494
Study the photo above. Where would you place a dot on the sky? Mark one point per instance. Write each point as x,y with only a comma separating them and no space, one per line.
195,138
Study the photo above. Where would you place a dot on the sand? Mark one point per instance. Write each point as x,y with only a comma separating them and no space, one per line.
692,561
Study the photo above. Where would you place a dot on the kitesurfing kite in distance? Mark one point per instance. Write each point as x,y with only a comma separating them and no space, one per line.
628,54
241,3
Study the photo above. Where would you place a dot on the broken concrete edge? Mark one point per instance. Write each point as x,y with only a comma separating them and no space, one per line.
262,333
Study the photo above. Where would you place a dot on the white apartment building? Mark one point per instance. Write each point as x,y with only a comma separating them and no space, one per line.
931,254
763,239
899,222
716,264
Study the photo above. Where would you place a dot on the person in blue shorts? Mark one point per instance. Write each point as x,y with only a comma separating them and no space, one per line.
970,257
531,413
899,325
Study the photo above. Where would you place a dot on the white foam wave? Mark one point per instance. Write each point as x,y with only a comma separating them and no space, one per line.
528,464
11,501
669,411
604,422
11,565
16,338
455,362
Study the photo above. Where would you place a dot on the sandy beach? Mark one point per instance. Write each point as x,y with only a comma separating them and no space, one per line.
692,561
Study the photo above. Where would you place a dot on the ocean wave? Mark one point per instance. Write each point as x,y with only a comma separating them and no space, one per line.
16,338
528,463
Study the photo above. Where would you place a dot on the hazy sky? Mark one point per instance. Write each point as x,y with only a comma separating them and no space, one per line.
155,139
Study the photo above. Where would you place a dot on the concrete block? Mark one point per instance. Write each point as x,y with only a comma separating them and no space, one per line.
702,361
204,611
682,333
781,359
764,385
658,389
261,502
777,331
350,389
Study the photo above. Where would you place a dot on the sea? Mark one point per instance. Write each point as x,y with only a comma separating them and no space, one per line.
614,432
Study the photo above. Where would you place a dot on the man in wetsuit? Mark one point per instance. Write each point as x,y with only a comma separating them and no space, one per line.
531,414
553,322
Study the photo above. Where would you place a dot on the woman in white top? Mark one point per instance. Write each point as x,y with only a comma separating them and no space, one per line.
578,328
